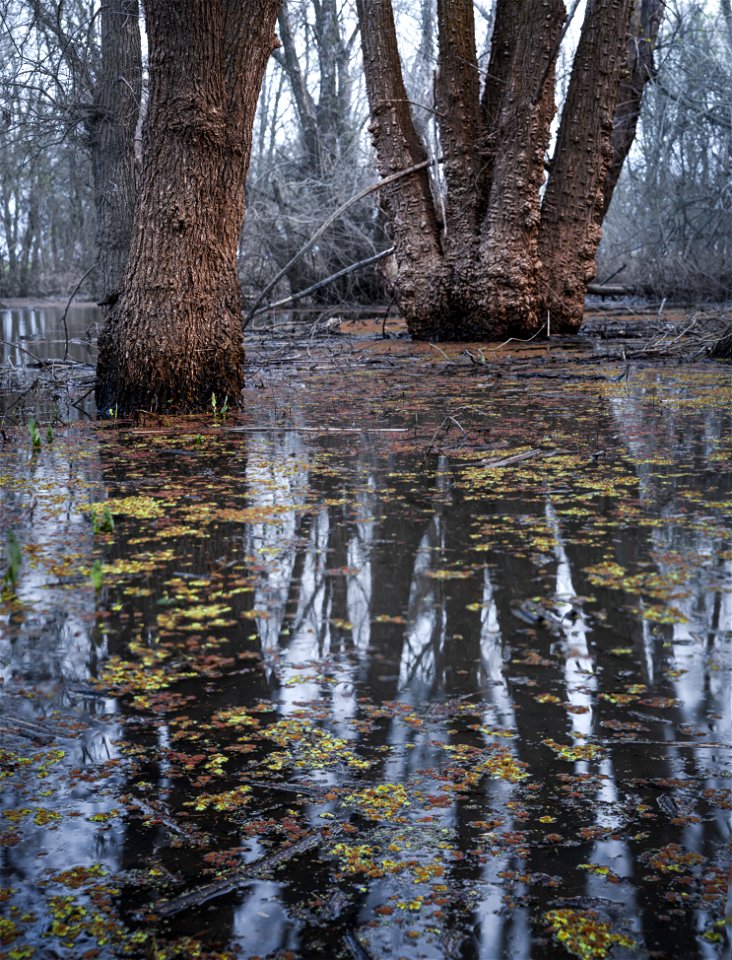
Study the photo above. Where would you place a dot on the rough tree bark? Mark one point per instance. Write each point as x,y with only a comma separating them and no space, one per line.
422,273
174,337
574,201
504,257
111,133
510,268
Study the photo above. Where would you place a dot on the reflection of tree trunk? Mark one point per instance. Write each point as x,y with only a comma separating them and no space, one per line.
392,565
459,666
154,736
632,764
174,337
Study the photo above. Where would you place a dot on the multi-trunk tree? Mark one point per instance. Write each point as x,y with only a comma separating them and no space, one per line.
502,252
174,336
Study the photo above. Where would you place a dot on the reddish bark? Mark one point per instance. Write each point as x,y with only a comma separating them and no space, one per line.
503,260
422,274
174,337
574,206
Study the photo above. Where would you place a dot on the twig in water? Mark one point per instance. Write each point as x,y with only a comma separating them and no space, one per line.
68,306
516,340
447,421
435,347
260,869
516,457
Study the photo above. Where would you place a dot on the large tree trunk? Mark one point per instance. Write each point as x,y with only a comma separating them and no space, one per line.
174,337
457,102
421,282
112,140
504,260
463,279
510,270
503,44
574,207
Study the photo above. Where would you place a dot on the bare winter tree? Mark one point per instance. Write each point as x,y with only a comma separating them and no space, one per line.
174,336
112,126
309,157
73,81
46,229
501,260
669,229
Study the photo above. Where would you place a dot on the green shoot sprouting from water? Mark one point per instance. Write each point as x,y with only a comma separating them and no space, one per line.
35,434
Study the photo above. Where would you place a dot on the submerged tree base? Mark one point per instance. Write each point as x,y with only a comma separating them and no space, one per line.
460,304
192,355
174,336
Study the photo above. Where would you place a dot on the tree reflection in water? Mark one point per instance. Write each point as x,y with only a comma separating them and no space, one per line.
537,656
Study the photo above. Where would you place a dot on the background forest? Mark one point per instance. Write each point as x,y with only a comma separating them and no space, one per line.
668,232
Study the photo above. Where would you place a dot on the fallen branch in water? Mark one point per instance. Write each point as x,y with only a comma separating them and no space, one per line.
42,361
355,947
331,219
151,814
33,731
317,429
517,457
258,870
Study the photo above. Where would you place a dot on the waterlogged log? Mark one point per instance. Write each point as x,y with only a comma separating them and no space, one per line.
518,457
259,870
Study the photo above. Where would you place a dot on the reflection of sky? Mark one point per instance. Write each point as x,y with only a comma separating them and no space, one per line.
425,630
276,477
579,668
323,666
260,920
39,330
57,598
660,432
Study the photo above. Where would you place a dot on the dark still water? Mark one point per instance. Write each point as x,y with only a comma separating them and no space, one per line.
47,357
412,658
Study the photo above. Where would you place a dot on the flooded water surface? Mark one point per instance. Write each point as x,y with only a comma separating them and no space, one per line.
413,657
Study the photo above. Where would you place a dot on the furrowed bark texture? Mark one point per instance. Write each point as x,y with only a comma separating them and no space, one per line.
506,262
174,337
503,44
422,274
457,101
574,203
112,140
510,267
